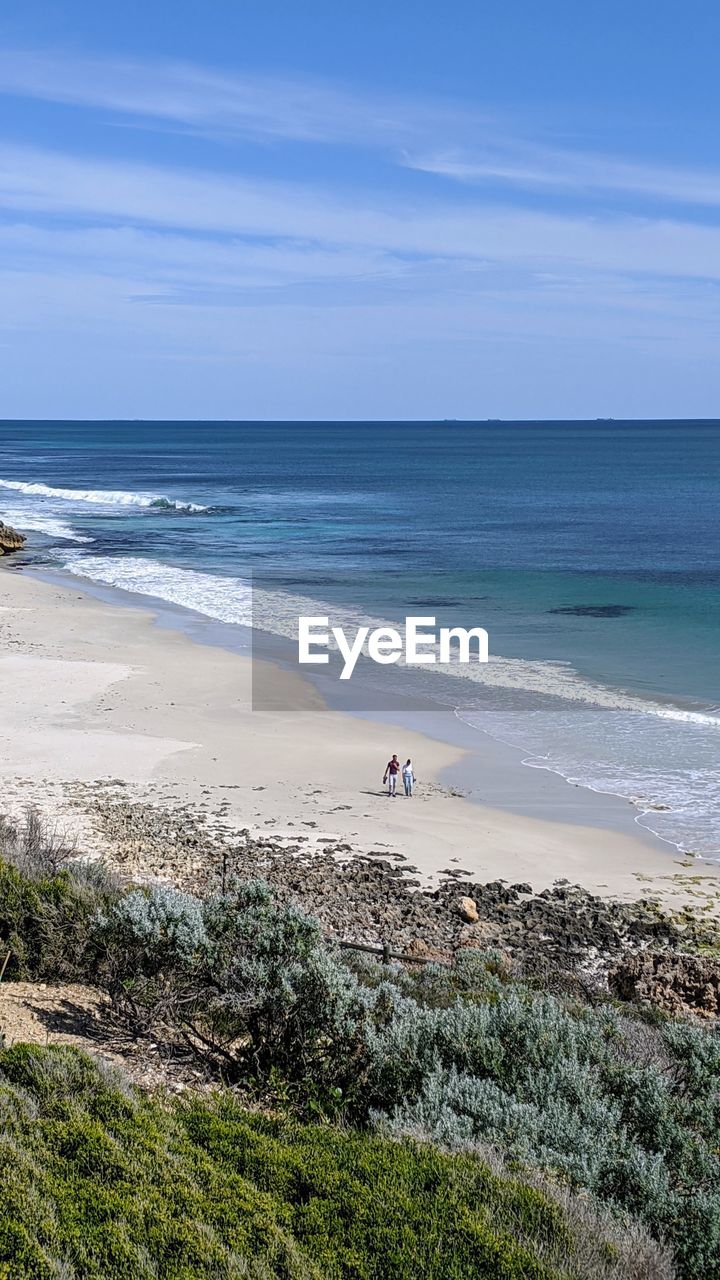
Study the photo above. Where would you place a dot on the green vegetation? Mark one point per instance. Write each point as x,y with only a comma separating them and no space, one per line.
47,925
48,904
100,1182
437,1077
597,1098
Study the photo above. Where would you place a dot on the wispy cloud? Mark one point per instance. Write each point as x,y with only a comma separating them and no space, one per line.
449,140
248,105
174,257
541,168
41,182
398,291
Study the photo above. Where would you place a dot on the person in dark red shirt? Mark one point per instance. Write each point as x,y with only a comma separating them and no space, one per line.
392,770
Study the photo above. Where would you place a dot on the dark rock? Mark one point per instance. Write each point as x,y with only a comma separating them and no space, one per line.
365,897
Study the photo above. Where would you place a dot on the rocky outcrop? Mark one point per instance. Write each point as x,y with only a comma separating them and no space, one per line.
676,983
10,539
569,938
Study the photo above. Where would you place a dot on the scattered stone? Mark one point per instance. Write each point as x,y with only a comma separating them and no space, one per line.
369,897
467,908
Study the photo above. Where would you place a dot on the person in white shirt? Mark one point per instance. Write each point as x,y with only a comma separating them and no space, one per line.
408,777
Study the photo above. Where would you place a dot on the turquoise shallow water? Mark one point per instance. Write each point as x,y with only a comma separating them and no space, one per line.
589,551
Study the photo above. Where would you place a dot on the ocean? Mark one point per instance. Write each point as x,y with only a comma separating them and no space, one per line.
590,551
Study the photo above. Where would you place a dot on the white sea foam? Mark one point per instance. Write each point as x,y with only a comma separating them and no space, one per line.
230,600
27,520
278,613
224,599
668,773
100,497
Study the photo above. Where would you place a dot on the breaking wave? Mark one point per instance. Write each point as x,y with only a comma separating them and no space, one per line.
224,599
101,497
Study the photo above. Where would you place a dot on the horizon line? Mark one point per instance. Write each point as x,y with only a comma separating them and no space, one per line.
348,422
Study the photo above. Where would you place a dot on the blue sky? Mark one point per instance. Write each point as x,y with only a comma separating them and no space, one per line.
322,210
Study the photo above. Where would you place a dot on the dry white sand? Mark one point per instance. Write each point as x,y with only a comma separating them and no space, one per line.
91,690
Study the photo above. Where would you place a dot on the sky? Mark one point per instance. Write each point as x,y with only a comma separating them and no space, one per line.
318,210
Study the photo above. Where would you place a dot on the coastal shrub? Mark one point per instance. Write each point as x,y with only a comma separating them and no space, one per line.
248,984
100,1183
600,1100
589,1096
47,923
556,1088
157,930
587,1146
48,901
513,1037
475,976
152,945
279,995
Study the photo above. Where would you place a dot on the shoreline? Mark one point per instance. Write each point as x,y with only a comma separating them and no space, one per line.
489,771
496,771
94,690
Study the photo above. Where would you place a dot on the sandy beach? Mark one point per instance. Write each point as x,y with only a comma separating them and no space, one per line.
91,690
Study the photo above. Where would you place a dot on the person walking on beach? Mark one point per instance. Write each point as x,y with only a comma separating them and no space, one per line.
392,770
408,777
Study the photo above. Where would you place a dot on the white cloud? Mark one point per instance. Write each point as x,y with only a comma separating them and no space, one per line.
241,104
77,349
174,257
415,296
541,168
304,217
448,140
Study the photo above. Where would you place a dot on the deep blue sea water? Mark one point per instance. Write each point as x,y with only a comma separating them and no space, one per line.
589,551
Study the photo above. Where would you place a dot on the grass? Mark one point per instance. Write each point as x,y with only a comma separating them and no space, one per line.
101,1183
499,1130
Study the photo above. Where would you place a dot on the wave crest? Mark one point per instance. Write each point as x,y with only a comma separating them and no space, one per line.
101,497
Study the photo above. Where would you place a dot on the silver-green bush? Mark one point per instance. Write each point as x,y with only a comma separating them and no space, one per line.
621,1110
